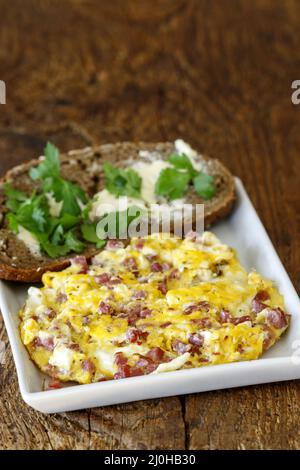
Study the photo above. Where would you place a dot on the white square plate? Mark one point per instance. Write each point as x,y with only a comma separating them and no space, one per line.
242,230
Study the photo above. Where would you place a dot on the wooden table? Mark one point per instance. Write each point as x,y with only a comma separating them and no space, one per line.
217,74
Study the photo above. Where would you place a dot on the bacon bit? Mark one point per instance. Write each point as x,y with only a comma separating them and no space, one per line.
258,302
202,305
202,322
120,359
156,267
190,309
151,257
143,362
123,367
140,244
268,338
80,261
146,364
139,295
88,366
136,336
151,368
131,318
119,375
123,374
47,343
131,264
180,347
163,286
136,309
240,349
105,308
262,296
74,347
155,354
114,280
50,313
61,298
196,340
174,274
243,319
165,325
257,306
134,313
102,278
146,312
277,318
136,371
114,245
107,279
166,266
225,316
54,384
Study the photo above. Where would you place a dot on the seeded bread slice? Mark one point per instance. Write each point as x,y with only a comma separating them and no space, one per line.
84,167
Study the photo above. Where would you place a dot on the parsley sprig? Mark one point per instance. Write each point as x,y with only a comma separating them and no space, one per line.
58,235
122,182
174,182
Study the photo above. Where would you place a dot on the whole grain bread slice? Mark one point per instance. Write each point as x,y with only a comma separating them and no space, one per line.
84,167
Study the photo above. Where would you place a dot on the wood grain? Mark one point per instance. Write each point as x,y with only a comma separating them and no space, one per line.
216,73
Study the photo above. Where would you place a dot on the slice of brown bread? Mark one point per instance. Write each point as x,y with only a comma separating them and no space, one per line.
84,167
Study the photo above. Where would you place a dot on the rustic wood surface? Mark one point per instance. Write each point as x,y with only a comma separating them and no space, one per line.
218,73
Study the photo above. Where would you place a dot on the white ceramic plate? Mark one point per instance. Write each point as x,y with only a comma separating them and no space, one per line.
242,230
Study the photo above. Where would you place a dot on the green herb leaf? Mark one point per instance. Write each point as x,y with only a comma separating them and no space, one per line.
49,172
14,197
122,182
69,221
88,231
73,243
182,162
12,222
50,166
58,235
54,251
67,192
33,214
172,183
39,217
204,185
101,243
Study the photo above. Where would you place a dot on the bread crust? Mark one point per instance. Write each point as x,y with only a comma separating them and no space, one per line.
84,167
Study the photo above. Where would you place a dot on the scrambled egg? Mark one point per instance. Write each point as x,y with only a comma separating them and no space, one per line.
159,304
